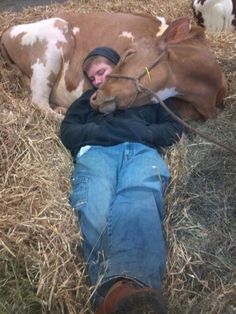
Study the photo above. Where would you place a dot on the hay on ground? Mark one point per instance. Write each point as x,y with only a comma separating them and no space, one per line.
41,268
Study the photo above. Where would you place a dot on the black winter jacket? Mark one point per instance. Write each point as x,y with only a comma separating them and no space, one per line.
148,124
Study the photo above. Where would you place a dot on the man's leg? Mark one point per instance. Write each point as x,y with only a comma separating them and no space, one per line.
115,220
135,236
94,181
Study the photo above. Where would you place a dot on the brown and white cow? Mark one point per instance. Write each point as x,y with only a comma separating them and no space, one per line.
186,69
216,15
50,52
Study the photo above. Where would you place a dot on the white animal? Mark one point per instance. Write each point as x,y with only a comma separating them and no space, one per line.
216,15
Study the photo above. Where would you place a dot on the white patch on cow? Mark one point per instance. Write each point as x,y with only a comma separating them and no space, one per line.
165,93
39,84
61,95
39,31
45,32
163,26
217,14
127,35
42,71
76,30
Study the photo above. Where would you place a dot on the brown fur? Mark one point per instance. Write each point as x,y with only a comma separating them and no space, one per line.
98,29
188,66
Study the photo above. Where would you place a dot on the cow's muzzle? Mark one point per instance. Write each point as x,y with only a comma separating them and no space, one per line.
105,105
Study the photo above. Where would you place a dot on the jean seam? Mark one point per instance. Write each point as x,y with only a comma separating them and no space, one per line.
109,232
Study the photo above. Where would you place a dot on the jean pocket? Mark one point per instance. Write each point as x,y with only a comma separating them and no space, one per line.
79,194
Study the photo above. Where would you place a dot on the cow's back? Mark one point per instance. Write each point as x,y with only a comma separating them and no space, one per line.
26,43
50,52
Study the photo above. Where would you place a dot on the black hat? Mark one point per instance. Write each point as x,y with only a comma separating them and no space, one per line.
106,52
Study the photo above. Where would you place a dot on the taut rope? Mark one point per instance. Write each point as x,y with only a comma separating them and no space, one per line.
140,88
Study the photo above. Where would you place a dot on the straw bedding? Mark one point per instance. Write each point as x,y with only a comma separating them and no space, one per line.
41,268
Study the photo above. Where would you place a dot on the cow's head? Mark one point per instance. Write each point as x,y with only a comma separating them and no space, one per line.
120,93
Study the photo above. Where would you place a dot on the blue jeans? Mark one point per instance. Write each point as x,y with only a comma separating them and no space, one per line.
117,193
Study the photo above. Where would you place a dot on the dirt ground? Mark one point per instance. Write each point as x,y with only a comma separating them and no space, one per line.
18,5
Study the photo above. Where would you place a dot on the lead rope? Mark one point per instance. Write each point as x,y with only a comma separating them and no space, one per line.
140,88
207,137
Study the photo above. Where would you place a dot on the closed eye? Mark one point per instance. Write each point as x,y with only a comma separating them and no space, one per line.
100,72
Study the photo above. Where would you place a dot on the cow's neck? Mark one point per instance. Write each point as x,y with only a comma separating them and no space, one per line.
166,93
145,99
168,84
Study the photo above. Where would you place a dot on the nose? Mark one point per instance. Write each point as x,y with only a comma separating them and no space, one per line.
107,105
93,97
98,81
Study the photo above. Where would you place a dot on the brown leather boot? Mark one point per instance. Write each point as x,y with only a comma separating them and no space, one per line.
127,297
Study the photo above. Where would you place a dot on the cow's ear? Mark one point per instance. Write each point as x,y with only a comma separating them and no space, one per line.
126,54
175,33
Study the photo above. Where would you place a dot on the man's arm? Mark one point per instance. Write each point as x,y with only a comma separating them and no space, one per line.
75,131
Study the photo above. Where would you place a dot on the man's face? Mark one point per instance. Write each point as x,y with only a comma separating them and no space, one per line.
97,73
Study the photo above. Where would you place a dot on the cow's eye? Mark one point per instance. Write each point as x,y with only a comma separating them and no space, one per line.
127,54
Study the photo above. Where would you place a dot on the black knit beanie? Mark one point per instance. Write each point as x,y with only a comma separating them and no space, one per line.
106,52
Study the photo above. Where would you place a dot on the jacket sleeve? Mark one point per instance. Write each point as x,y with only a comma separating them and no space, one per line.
167,130
75,131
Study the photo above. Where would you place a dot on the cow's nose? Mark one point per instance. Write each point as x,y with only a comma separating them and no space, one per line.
93,99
